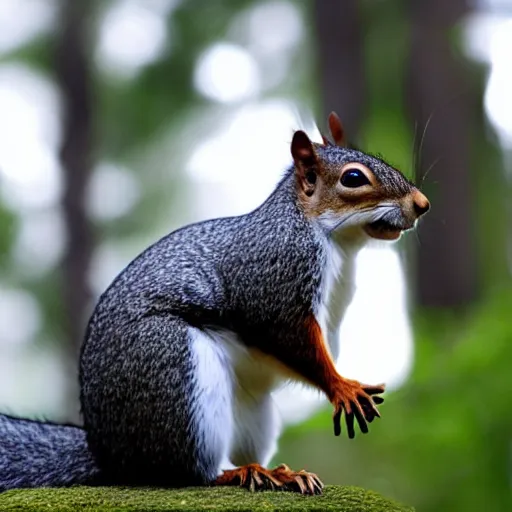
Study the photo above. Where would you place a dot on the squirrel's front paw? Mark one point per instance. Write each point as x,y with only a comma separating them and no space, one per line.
357,400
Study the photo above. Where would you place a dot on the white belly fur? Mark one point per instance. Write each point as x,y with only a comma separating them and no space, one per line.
250,368
253,375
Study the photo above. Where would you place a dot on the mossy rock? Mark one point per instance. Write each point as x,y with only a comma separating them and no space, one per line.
119,499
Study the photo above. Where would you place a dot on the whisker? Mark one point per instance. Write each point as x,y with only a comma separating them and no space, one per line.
431,166
420,149
414,154
416,234
443,104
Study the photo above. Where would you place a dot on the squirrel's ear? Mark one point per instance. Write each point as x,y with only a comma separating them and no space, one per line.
306,163
337,132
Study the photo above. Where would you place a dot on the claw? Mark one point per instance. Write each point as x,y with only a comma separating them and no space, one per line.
359,401
301,485
257,478
311,486
374,390
309,481
361,418
349,421
337,421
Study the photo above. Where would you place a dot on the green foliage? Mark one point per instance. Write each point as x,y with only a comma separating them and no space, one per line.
133,113
349,499
7,231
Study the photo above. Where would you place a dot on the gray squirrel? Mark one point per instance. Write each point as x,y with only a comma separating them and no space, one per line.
184,349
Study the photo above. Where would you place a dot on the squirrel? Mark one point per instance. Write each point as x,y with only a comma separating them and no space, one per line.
184,349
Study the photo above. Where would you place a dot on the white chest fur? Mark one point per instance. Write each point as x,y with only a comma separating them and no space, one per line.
338,288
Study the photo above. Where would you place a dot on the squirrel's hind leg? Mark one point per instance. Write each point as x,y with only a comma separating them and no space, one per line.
256,430
162,416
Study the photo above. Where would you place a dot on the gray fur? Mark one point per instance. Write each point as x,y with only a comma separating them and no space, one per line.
35,454
258,275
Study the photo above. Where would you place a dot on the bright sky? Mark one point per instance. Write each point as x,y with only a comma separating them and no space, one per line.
131,36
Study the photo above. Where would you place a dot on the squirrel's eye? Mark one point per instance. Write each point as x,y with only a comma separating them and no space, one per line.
354,178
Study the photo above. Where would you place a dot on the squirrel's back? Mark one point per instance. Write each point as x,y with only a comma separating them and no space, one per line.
204,270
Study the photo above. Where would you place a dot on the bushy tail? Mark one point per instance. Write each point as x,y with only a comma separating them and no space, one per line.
37,454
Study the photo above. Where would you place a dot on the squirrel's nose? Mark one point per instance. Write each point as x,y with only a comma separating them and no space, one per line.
421,203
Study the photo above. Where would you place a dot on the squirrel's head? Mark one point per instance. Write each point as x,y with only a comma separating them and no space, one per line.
351,192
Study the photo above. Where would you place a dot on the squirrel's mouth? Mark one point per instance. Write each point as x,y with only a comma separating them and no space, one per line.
383,230
390,226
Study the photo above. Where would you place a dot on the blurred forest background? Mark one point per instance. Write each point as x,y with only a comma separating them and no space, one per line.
124,119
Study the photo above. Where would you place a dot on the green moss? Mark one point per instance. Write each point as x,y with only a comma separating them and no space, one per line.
85,499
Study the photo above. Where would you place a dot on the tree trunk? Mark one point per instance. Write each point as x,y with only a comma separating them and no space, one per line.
340,61
440,102
74,80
